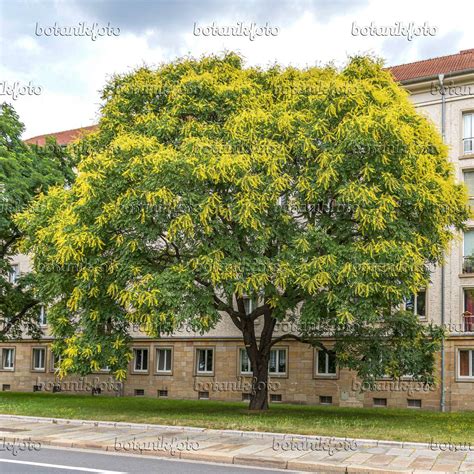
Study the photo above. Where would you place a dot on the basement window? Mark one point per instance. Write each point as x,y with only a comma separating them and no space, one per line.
411,403
380,402
325,400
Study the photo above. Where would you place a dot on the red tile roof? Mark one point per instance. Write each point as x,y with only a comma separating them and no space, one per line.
63,138
462,61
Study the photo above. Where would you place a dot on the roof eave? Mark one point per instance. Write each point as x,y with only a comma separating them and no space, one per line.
407,82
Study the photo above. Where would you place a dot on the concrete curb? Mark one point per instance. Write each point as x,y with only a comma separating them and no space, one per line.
248,434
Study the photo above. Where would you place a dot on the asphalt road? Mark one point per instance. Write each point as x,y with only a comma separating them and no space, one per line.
74,461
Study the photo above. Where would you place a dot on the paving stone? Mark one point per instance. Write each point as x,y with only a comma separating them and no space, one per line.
381,459
446,467
422,462
358,458
400,452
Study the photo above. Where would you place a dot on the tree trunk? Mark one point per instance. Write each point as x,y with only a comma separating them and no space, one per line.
259,396
259,355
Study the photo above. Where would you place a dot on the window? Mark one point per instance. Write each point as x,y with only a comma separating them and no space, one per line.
468,133
466,363
39,357
275,397
468,302
468,253
417,304
140,361
139,392
282,200
55,361
325,400
469,182
413,403
249,305
14,274
245,363
203,395
325,362
8,359
163,360
468,314
277,363
42,316
205,361
162,393
380,402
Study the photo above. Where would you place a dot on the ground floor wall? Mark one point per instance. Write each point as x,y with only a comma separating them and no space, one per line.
213,369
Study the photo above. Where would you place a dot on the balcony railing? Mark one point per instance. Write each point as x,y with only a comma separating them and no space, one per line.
469,323
468,264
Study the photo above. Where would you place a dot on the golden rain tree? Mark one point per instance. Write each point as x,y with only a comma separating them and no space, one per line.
320,194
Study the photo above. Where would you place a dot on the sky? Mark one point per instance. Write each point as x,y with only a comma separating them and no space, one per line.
57,55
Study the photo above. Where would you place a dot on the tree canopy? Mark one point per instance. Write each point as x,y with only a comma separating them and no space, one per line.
24,173
321,194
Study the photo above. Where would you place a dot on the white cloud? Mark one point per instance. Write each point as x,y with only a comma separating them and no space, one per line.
28,44
73,70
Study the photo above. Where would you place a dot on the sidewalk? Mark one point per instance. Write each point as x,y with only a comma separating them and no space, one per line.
293,452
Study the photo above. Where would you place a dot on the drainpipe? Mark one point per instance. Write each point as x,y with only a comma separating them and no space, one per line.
443,134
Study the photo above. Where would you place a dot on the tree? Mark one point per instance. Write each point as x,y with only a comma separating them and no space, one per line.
24,173
322,195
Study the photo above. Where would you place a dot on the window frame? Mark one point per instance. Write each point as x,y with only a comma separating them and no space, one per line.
464,311
464,138
415,304
164,372
134,361
465,378
252,304
8,369
33,351
241,350
52,360
279,374
14,274
42,316
463,253
324,375
464,171
204,373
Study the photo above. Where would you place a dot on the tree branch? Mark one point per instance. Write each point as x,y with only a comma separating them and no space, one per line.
13,320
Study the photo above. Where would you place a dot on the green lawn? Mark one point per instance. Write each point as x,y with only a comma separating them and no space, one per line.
389,424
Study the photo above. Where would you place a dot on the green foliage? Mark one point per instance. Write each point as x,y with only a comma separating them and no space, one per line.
24,173
207,181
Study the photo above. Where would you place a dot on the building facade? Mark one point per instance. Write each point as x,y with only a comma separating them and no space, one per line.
215,365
